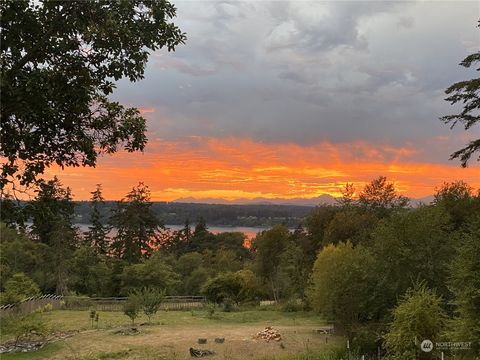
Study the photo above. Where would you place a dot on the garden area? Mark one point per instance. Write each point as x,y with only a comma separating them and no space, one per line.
171,334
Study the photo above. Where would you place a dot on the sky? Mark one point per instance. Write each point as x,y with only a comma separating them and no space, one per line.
293,99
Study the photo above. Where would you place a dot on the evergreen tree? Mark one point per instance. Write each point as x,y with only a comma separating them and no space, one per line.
52,205
96,236
136,224
52,213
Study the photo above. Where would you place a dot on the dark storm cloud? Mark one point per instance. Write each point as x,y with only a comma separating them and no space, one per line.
300,72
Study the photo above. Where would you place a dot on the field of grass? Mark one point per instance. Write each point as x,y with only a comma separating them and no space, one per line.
172,333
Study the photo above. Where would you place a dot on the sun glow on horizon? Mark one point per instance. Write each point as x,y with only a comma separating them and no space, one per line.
240,168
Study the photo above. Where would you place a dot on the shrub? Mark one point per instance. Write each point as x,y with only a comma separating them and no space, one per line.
18,288
292,306
151,299
24,326
132,306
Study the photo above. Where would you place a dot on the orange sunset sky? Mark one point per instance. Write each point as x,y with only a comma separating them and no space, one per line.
289,99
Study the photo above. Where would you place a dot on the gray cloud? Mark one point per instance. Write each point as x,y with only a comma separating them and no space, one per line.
304,72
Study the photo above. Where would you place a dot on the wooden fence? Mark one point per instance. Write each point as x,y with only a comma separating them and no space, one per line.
100,304
116,303
54,302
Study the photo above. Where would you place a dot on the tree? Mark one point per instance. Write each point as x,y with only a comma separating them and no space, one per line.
350,224
89,272
137,226
153,272
458,200
97,232
52,214
269,246
52,205
151,299
342,285
464,283
132,306
419,316
466,92
18,288
223,288
19,254
411,246
60,60
381,197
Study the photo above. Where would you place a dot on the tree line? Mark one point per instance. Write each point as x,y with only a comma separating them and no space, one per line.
372,264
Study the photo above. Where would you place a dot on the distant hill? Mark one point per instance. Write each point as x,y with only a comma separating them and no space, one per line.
250,215
320,200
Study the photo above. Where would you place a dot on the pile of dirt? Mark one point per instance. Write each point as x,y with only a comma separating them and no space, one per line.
268,334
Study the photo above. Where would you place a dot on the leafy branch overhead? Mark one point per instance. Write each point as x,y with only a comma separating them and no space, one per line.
467,93
60,61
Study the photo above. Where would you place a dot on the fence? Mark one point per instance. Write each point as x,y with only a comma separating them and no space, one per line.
116,303
100,304
33,303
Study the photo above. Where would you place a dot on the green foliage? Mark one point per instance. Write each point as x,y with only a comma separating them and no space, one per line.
458,200
90,273
153,272
151,299
24,326
52,206
411,246
251,289
226,286
136,224
465,285
96,236
269,246
350,224
380,197
132,306
292,305
194,282
418,316
52,215
60,61
18,288
342,285
18,254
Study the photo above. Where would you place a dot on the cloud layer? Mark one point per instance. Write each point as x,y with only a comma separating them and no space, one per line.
293,99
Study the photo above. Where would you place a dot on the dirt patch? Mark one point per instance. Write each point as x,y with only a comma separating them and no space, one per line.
175,341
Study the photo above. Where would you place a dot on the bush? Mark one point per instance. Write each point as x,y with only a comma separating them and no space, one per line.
132,306
151,300
228,304
292,306
77,303
18,288
24,326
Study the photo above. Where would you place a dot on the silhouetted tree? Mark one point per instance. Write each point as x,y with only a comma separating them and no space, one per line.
60,61
136,224
466,92
97,232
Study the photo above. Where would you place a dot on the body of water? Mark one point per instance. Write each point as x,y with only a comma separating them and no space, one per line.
250,232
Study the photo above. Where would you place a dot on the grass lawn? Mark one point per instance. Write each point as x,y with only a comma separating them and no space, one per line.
172,333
